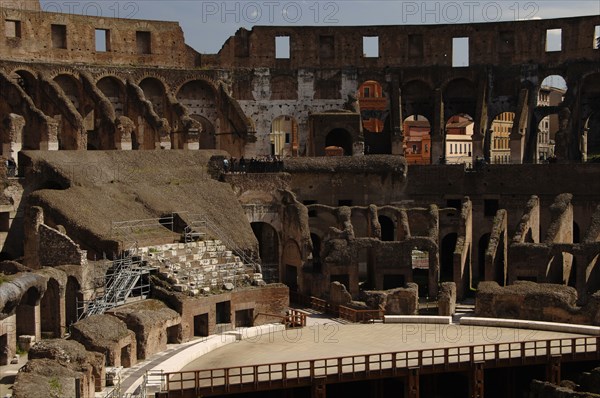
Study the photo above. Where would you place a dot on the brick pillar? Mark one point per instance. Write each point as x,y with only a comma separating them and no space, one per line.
438,141
476,380
553,369
411,386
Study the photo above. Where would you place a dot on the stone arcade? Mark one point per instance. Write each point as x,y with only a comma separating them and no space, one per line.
120,172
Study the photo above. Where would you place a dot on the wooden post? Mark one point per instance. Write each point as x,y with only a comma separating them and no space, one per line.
411,387
476,380
553,369
318,388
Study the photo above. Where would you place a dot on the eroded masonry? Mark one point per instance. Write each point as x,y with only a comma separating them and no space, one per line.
153,194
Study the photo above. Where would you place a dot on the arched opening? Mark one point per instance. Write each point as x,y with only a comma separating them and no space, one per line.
388,232
154,91
26,318
292,260
316,252
68,137
207,138
373,106
460,97
447,257
72,89
284,136
114,91
268,247
417,139
374,112
482,247
576,233
551,93
50,308
459,139
420,270
28,82
72,296
200,98
559,268
500,138
592,129
340,138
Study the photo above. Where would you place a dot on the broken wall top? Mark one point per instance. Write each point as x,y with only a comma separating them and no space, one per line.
496,43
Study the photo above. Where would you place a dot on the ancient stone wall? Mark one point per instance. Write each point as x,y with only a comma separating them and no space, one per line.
409,45
538,302
199,315
67,38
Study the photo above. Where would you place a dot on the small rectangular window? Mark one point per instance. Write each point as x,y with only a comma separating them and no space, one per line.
345,202
553,40
12,28
597,37
144,42
460,52
59,36
282,47
371,46
415,46
102,40
326,47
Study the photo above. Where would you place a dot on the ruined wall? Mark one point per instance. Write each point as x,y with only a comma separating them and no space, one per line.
151,321
107,335
271,299
537,302
397,48
376,179
67,38
56,248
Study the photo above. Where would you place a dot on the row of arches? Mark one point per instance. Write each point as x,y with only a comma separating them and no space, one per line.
90,115
459,97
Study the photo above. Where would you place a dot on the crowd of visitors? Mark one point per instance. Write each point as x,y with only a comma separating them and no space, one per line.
266,164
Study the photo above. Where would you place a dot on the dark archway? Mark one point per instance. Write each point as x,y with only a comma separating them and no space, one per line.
447,257
379,143
387,228
72,295
154,91
25,313
340,138
593,137
576,233
50,308
482,248
268,247
316,252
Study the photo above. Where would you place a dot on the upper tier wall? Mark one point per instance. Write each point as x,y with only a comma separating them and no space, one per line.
53,37
499,43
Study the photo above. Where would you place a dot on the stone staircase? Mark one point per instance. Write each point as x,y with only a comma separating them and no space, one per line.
200,267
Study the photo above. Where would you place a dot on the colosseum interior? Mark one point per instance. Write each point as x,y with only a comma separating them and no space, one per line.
153,195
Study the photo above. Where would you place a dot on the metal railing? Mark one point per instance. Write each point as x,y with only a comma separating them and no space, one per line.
379,365
124,280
